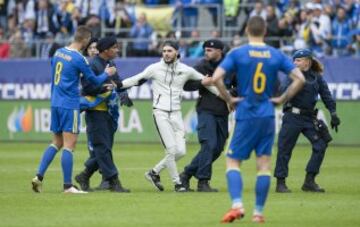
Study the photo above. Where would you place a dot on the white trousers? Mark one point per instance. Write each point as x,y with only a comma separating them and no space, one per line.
170,127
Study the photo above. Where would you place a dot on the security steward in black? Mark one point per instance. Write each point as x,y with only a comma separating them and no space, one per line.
300,116
100,125
212,115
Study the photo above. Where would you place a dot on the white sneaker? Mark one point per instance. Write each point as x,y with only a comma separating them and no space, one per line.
73,190
36,184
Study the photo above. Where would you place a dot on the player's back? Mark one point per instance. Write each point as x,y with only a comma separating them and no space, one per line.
257,66
65,66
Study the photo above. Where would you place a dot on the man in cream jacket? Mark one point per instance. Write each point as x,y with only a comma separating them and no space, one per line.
168,78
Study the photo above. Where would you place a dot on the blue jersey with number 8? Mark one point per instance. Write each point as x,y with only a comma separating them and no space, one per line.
67,66
256,66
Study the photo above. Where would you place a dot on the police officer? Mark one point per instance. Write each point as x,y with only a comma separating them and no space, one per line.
212,120
101,121
300,117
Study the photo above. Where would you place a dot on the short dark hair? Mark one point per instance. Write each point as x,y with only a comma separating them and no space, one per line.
82,32
256,26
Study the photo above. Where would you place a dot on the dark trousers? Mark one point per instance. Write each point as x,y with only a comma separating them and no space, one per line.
292,126
212,135
100,132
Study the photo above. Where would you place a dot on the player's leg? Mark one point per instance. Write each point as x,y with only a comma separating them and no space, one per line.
70,123
235,188
242,143
51,150
263,149
262,186
46,160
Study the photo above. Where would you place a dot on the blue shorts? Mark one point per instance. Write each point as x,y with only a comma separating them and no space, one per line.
252,134
65,120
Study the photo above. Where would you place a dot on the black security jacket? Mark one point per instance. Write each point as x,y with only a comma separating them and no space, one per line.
207,101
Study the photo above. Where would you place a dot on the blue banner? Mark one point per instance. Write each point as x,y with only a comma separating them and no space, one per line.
25,79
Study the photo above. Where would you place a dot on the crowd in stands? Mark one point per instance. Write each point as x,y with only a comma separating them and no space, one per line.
31,28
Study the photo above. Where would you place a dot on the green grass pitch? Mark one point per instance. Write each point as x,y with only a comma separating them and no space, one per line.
19,206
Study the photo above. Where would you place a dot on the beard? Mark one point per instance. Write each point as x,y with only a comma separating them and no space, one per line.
169,61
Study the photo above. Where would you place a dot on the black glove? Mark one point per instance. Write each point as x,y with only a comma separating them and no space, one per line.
118,84
141,82
125,100
335,121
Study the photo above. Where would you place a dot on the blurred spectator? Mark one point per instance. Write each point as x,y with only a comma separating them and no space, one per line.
320,29
46,45
18,48
43,19
352,11
182,48
340,30
215,34
212,6
171,35
62,20
94,23
195,48
231,11
4,45
3,12
236,41
22,10
122,20
324,28
28,33
259,10
11,25
106,11
141,32
189,15
87,7
272,27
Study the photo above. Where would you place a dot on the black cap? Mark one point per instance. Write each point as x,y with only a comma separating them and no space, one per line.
105,43
214,43
171,43
302,53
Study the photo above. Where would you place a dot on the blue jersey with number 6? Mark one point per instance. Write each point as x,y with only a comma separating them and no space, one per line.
67,66
256,66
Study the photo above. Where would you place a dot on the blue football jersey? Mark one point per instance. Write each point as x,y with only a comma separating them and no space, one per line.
67,66
256,66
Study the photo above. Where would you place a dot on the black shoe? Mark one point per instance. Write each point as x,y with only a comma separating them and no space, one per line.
115,186
180,188
204,186
104,185
185,180
310,185
84,181
281,186
154,178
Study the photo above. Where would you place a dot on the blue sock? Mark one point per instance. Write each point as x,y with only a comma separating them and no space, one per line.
235,186
261,189
67,165
47,158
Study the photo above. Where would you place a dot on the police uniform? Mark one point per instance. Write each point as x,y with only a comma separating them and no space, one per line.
101,126
300,117
212,128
